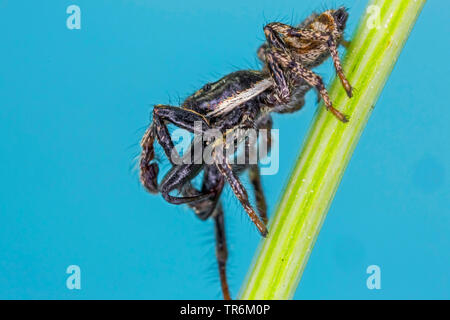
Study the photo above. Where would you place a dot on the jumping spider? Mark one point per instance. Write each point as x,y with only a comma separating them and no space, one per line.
241,100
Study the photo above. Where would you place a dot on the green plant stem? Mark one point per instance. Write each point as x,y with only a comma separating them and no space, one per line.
282,257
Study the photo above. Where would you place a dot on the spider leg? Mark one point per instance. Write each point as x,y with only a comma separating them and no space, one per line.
182,118
240,192
261,204
207,207
177,177
282,92
254,172
293,37
221,250
213,183
148,171
282,88
297,70
337,65
266,123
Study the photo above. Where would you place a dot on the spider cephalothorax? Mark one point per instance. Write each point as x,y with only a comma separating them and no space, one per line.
242,100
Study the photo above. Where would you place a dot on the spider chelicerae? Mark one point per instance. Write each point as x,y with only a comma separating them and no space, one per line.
239,101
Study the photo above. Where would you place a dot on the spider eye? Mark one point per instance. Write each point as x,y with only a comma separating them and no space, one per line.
207,87
340,16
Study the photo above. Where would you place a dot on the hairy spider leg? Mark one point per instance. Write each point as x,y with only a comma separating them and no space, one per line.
253,169
264,122
282,94
204,209
213,181
148,171
337,65
240,192
261,205
183,118
255,174
293,34
277,57
179,176
298,70
221,250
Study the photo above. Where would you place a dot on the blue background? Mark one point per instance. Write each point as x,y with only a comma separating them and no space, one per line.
74,104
